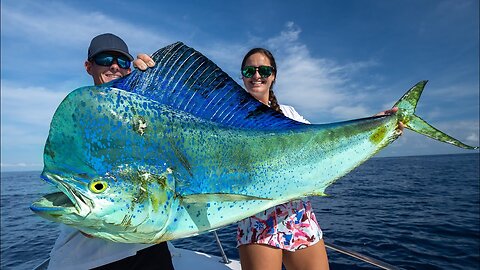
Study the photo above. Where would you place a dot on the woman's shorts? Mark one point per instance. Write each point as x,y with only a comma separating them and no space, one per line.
289,226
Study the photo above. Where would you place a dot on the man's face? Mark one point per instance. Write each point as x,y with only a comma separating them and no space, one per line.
103,74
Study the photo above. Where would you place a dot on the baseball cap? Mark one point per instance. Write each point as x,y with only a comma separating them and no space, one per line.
108,42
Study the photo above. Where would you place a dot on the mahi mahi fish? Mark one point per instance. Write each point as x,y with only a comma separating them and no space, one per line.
182,149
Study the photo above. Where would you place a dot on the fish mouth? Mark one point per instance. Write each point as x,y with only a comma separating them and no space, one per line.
67,201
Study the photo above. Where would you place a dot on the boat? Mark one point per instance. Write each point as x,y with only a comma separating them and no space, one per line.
185,259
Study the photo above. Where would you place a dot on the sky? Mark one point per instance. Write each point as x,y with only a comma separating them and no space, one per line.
337,60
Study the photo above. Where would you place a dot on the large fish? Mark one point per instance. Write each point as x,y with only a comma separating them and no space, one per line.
182,149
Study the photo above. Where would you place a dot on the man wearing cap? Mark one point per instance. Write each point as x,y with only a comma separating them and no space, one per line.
108,59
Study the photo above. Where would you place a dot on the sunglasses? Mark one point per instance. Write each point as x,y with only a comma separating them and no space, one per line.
264,71
106,60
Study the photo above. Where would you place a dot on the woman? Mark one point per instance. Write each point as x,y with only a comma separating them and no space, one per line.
289,232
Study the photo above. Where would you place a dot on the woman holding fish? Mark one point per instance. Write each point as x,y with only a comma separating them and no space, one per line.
289,232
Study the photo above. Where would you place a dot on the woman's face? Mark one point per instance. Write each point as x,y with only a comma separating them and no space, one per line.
257,86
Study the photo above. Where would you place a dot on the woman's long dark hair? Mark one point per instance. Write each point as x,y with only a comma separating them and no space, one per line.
272,99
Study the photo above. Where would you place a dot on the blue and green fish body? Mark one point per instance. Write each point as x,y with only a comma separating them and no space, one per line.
182,149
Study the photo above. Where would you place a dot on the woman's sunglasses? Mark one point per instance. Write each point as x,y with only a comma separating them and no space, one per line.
106,60
264,71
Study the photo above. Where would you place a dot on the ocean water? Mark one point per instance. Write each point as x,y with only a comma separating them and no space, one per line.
417,212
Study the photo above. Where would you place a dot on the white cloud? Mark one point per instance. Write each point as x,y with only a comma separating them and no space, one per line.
62,25
472,138
287,37
26,115
21,166
350,112
463,130
29,105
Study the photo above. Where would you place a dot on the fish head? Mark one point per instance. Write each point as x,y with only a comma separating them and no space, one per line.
128,205
112,180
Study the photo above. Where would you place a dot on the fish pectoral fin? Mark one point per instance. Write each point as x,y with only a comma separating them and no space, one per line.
218,197
321,194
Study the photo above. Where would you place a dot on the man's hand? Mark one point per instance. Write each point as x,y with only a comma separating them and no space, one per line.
143,62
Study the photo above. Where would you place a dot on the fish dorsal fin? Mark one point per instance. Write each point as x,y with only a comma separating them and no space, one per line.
186,80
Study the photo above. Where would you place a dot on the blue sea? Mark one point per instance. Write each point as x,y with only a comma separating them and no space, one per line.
419,212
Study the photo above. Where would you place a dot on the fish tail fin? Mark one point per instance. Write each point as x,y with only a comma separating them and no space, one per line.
406,114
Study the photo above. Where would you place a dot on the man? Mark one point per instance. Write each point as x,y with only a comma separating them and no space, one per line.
108,59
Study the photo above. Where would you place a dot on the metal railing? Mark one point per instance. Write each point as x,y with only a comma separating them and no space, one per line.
224,260
362,257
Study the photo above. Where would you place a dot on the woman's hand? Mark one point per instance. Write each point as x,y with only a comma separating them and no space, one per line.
393,111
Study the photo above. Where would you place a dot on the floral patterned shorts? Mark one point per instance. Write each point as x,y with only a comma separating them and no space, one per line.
290,226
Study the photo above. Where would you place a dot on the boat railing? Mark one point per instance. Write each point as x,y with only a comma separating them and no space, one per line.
362,257
225,260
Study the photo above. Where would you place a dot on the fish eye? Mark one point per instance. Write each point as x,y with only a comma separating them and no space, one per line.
98,186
